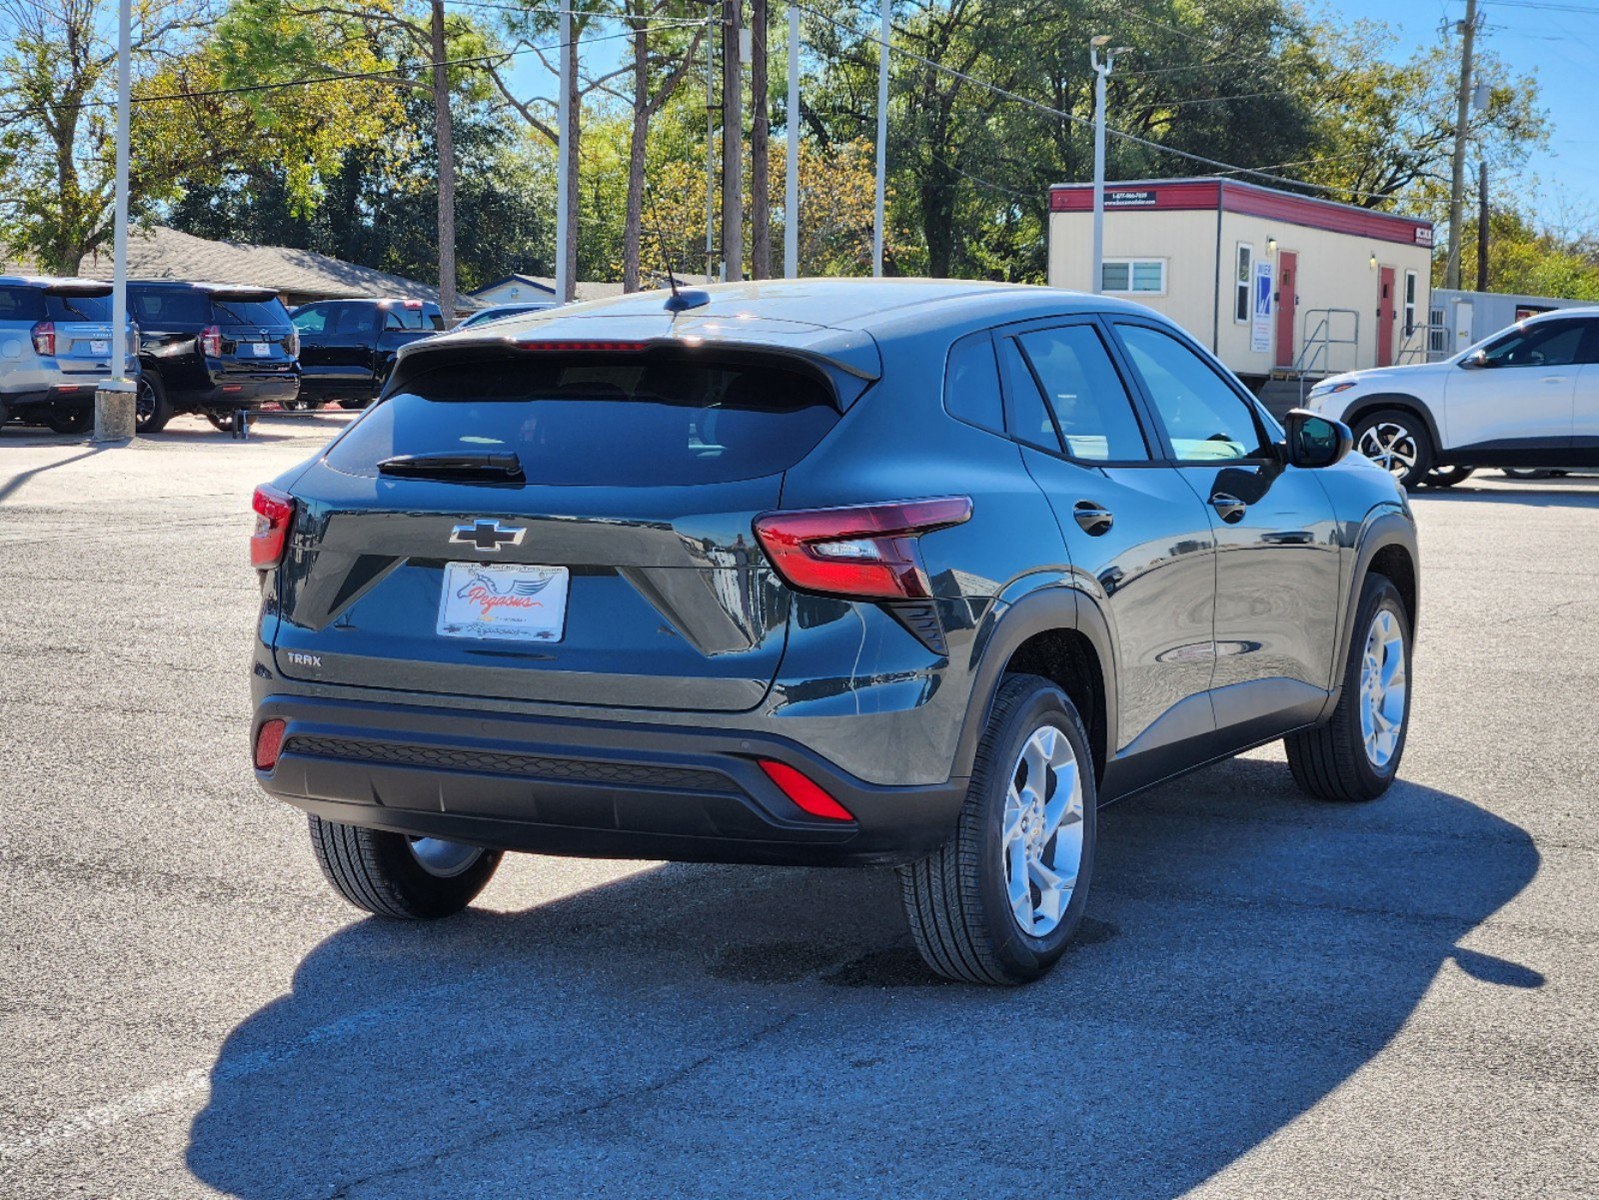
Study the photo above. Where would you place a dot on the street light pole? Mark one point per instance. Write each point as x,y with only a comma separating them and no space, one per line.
1102,71
880,205
791,199
114,400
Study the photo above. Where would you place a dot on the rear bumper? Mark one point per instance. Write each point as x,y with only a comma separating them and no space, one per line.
60,398
244,392
594,789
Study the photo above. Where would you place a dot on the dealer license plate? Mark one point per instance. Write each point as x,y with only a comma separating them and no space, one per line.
511,601
99,347
260,349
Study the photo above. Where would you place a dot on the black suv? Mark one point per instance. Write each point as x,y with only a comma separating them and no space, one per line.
877,572
347,347
210,348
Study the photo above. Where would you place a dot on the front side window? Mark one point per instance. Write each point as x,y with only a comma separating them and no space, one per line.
1083,390
1242,283
1546,344
1205,418
1145,276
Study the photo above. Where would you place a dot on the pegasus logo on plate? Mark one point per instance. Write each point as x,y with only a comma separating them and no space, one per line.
486,535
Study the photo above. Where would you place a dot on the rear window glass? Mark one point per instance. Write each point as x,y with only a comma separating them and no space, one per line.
171,308
35,304
403,316
649,422
249,312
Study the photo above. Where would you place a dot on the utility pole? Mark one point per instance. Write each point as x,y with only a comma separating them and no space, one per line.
712,112
1482,226
880,211
791,182
1102,71
444,134
115,405
566,156
760,149
732,144
1457,187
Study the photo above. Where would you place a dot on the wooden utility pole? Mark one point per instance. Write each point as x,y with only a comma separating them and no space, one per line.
732,144
444,135
760,148
1457,187
1482,226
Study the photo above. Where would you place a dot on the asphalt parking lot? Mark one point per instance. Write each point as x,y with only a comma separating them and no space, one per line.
1272,997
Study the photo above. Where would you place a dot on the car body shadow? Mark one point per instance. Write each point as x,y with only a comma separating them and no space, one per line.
714,1031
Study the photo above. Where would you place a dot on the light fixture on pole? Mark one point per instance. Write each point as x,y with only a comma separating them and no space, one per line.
115,399
1102,71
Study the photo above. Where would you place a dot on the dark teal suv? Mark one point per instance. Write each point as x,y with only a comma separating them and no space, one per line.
911,573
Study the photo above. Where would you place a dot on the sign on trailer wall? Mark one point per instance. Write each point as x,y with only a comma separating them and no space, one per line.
1260,329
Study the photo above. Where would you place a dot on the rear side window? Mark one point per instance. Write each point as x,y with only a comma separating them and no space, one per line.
971,383
158,308
311,320
229,311
405,316
21,304
1087,396
653,421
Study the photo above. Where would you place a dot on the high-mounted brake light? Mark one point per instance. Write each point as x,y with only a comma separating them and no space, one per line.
868,553
274,513
211,341
584,347
804,791
44,338
412,303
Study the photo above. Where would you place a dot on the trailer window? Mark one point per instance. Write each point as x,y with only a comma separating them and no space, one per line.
1146,276
1242,283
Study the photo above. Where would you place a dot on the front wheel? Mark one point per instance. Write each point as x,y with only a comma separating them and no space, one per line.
78,421
391,875
1356,754
1000,900
1447,477
151,409
1397,442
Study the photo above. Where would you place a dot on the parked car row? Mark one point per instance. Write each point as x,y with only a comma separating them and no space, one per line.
202,348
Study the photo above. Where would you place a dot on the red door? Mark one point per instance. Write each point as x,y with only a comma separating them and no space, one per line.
1287,302
1385,317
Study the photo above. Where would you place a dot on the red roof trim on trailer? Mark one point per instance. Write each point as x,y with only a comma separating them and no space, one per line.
1165,195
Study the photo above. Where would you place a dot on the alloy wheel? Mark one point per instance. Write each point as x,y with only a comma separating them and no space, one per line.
144,401
1391,446
1042,836
1382,688
442,859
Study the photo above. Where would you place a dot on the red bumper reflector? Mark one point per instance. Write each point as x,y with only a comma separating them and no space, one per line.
268,741
804,792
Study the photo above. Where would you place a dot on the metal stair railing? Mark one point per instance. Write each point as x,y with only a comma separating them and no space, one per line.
1315,355
1424,343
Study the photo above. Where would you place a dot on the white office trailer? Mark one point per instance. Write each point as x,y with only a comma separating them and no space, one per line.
1276,284
1462,318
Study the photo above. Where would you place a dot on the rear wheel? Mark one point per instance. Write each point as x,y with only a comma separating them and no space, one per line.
221,419
1396,441
1447,477
151,409
392,875
73,422
1355,756
1000,900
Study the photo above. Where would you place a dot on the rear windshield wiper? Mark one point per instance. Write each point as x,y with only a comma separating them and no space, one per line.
490,468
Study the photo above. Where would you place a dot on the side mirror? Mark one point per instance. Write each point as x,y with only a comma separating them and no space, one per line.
1476,362
1316,441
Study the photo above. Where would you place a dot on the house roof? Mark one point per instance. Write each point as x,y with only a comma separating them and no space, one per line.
587,289
162,253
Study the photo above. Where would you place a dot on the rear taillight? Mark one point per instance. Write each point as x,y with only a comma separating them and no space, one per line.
268,744
868,553
291,344
211,342
44,338
274,513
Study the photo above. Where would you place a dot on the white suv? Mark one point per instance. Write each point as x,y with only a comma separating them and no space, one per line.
1528,397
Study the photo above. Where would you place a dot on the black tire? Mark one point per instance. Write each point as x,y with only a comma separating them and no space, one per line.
1526,472
1447,477
80,421
151,408
351,403
956,899
379,872
1331,762
221,419
1398,441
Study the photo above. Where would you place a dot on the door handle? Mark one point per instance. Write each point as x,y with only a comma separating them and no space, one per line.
1094,519
1229,508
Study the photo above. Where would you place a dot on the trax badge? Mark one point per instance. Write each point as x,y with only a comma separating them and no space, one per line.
486,535
303,660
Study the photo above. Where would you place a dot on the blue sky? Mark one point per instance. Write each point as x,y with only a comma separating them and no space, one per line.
1560,45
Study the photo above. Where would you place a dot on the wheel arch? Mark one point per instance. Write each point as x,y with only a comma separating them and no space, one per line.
1060,634
1365,406
1387,547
